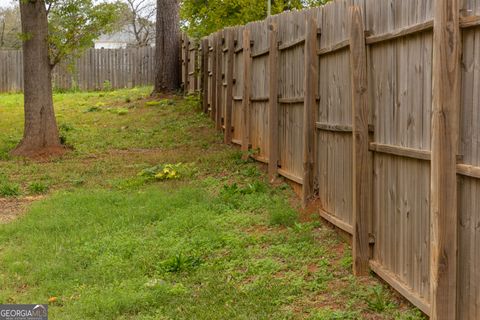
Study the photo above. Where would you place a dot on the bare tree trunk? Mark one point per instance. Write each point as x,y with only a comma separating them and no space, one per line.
41,132
167,71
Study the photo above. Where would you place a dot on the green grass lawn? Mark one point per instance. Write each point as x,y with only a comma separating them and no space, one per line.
103,238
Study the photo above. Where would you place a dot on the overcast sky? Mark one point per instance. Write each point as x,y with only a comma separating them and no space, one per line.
5,3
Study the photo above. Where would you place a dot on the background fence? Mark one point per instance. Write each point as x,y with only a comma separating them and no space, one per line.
373,108
122,68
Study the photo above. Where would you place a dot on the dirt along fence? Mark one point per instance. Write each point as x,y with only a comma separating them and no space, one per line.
372,108
96,69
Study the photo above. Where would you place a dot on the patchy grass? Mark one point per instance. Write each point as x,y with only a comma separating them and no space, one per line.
112,238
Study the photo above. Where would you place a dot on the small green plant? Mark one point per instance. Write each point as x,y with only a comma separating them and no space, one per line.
160,103
37,188
128,100
193,99
179,263
152,103
93,109
121,111
378,300
347,260
64,128
251,171
282,216
9,189
166,171
328,314
233,189
107,85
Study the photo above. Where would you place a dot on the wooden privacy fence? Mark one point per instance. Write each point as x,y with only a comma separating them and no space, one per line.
373,107
118,68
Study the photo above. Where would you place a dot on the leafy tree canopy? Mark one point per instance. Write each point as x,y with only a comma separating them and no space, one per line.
75,24
202,17
10,27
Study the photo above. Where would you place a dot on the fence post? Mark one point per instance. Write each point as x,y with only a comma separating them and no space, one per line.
310,110
361,172
273,102
445,131
219,84
205,75
229,78
213,101
186,63
195,68
247,82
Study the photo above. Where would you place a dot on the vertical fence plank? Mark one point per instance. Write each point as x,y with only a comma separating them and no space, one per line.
229,78
186,60
445,127
247,82
219,84
273,102
204,73
213,110
310,107
195,68
361,172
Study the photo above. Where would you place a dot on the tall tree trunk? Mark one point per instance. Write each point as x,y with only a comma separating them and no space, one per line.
167,70
40,132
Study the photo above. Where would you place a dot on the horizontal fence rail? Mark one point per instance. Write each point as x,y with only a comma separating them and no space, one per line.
96,69
370,108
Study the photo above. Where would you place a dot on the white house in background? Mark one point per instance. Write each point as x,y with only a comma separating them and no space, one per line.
118,40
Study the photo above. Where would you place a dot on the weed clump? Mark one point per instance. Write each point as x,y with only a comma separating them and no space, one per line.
37,188
160,103
9,189
64,129
93,109
378,300
167,171
179,263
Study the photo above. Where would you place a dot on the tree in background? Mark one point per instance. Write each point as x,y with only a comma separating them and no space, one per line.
51,32
10,28
140,19
167,69
202,17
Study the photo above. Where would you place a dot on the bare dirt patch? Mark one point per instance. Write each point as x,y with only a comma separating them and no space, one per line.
12,208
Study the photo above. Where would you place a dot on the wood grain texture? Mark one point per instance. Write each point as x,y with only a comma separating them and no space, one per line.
229,90
310,110
214,94
402,32
247,63
445,123
361,163
273,102
398,285
219,81
205,73
401,151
